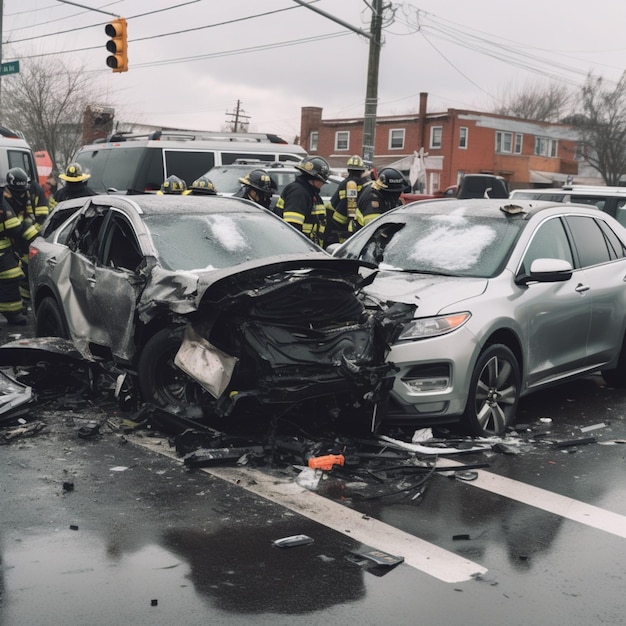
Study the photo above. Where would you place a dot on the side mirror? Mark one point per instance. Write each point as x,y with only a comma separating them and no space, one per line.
546,271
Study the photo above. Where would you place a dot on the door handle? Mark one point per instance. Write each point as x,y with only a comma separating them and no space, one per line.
580,288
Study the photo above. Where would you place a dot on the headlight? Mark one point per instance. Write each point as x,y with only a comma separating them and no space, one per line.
433,326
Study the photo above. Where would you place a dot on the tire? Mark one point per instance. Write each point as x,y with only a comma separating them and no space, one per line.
50,321
161,382
494,392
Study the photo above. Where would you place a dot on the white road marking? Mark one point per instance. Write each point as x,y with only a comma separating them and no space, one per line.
424,556
547,500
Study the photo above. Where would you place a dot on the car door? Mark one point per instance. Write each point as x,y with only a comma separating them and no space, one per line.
602,258
115,286
555,316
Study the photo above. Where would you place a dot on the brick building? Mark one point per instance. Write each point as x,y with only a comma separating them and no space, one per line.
455,142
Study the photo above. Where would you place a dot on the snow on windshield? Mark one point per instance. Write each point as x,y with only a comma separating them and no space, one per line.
453,243
227,233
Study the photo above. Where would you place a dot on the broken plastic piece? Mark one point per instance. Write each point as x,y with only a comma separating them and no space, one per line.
466,475
574,442
586,429
293,541
462,537
380,558
326,462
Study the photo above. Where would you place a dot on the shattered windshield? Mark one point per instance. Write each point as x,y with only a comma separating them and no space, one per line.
201,241
451,244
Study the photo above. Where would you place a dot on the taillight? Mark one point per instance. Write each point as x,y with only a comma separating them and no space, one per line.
32,251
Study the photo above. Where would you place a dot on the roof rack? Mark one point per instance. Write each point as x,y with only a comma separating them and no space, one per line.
180,135
13,134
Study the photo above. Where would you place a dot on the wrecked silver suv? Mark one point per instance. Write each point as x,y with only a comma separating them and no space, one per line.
214,305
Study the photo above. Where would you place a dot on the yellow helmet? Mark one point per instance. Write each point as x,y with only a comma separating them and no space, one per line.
74,174
355,162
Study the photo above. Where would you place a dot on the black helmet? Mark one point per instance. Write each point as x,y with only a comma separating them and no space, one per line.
74,174
259,180
173,184
17,180
391,180
355,163
203,185
315,167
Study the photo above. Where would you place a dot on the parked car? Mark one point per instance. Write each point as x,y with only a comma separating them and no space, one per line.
611,200
508,298
226,178
216,304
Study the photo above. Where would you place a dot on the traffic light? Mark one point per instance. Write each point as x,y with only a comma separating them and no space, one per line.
117,45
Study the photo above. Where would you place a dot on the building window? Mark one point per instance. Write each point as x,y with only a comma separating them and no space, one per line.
504,141
436,133
396,139
519,140
463,133
544,146
313,139
342,140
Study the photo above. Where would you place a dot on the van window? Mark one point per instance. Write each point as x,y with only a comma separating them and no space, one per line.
23,159
230,157
111,168
186,164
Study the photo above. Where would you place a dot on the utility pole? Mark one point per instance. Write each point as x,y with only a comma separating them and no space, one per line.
371,93
238,115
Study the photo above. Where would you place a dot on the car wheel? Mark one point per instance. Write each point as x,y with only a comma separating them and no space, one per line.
161,382
494,392
49,320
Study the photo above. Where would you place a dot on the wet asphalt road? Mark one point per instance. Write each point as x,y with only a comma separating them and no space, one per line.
136,537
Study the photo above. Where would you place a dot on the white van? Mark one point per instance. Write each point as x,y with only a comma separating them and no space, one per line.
15,152
611,200
128,163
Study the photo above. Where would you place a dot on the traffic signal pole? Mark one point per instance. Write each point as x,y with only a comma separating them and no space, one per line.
371,92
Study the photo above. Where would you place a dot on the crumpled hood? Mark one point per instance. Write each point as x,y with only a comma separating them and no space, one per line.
428,292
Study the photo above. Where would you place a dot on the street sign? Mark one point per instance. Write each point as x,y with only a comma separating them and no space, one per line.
13,67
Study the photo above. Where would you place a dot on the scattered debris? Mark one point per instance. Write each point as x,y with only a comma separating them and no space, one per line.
574,442
293,541
15,398
466,475
586,429
26,430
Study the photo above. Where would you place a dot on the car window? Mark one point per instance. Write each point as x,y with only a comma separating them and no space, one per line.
200,241
549,241
620,211
447,244
84,237
598,201
120,248
226,179
591,242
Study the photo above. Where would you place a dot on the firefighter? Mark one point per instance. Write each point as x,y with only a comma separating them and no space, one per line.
12,229
75,185
202,186
174,185
28,202
27,197
380,196
300,202
257,186
343,205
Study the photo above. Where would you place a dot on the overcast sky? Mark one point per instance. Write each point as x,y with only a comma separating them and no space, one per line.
190,63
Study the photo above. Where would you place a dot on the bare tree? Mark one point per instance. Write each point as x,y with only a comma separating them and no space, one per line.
602,127
46,101
536,101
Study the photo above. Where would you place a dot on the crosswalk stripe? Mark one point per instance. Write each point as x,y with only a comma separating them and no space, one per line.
417,553
568,508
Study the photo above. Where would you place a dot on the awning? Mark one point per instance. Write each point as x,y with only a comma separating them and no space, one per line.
548,177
